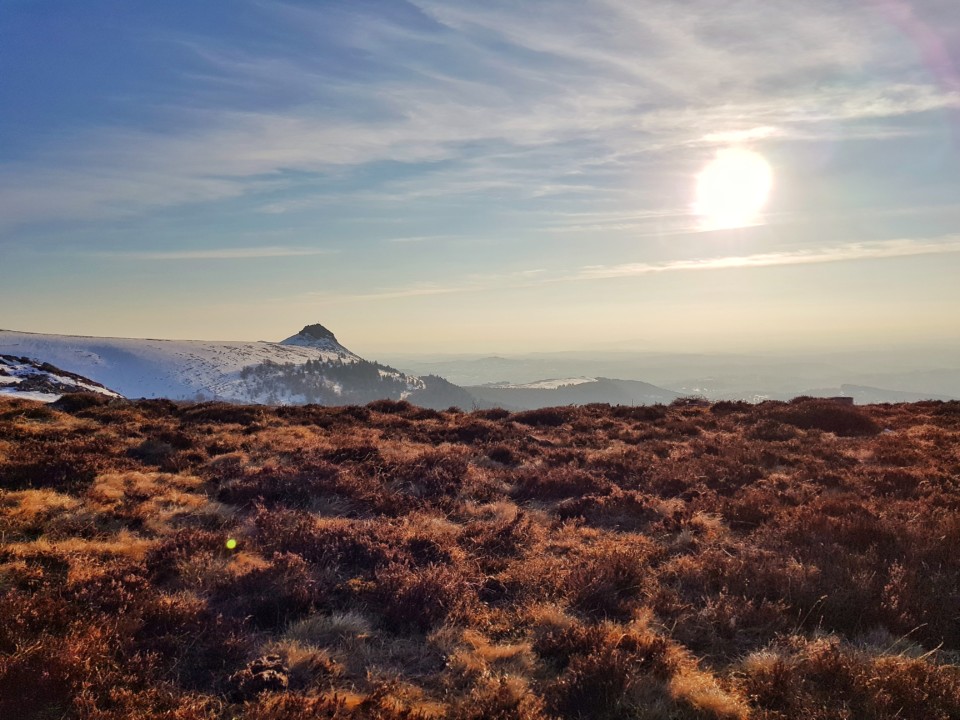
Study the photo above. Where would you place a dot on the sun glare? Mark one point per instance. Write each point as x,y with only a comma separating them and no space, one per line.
732,189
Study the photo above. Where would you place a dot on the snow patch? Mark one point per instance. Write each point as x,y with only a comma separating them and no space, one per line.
551,384
29,395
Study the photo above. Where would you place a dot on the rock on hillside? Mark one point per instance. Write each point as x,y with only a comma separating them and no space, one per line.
34,380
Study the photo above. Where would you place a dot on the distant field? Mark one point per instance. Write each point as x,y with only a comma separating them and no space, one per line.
186,561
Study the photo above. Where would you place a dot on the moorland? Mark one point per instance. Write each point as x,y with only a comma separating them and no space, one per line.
774,561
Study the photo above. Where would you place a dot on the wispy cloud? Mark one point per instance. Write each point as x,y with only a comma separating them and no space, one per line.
471,283
596,82
540,277
840,253
677,221
244,253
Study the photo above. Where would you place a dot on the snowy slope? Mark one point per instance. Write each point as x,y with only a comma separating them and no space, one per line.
176,369
32,380
551,384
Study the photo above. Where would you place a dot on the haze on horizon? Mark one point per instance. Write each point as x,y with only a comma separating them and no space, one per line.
449,176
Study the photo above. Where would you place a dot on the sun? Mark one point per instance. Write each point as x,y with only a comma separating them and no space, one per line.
733,189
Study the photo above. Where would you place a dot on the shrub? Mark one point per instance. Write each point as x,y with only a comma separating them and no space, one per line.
154,452
627,510
432,475
729,407
545,417
78,402
772,431
218,412
272,486
491,414
607,583
801,678
288,706
689,401
66,465
827,416
473,431
391,407
603,668
495,542
503,454
421,599
556,483
353,453
273,595
505,698
639,413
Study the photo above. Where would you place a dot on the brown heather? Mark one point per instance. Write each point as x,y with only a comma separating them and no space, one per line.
726,561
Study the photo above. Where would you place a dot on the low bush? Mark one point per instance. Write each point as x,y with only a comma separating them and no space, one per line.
557,483
422,598
78,402
223,413
609,581
272,486
827,415
546,417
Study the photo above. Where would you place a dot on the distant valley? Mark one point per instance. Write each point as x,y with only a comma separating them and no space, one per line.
874,376
573,391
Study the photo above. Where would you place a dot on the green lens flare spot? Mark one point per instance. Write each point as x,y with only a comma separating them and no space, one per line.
231,544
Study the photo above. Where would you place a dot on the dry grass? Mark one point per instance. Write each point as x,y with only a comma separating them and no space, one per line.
688,562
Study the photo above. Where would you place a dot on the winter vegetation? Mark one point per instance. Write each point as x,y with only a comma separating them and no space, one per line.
691,561
326,382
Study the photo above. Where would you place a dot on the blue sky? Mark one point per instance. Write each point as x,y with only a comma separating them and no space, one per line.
444,175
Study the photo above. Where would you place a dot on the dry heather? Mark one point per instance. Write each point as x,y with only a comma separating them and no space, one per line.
779,561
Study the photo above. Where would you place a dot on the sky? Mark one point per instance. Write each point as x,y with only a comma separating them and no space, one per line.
458,176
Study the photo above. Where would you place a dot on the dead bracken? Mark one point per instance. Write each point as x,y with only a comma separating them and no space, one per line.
693,561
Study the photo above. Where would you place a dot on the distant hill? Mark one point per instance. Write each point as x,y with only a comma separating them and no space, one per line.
879,375
867,395
572,391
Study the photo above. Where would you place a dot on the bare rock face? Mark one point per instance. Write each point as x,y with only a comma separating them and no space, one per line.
318,332
265,674
318,337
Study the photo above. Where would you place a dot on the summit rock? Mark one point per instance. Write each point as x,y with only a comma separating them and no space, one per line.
318,332
319,337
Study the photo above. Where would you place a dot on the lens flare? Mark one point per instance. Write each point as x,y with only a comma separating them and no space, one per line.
733,189
231,544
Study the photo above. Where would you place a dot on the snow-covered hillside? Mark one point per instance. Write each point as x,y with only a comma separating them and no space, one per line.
309,367
178,369
33,380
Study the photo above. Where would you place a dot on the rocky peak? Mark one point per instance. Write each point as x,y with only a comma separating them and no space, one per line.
318,332
318,337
